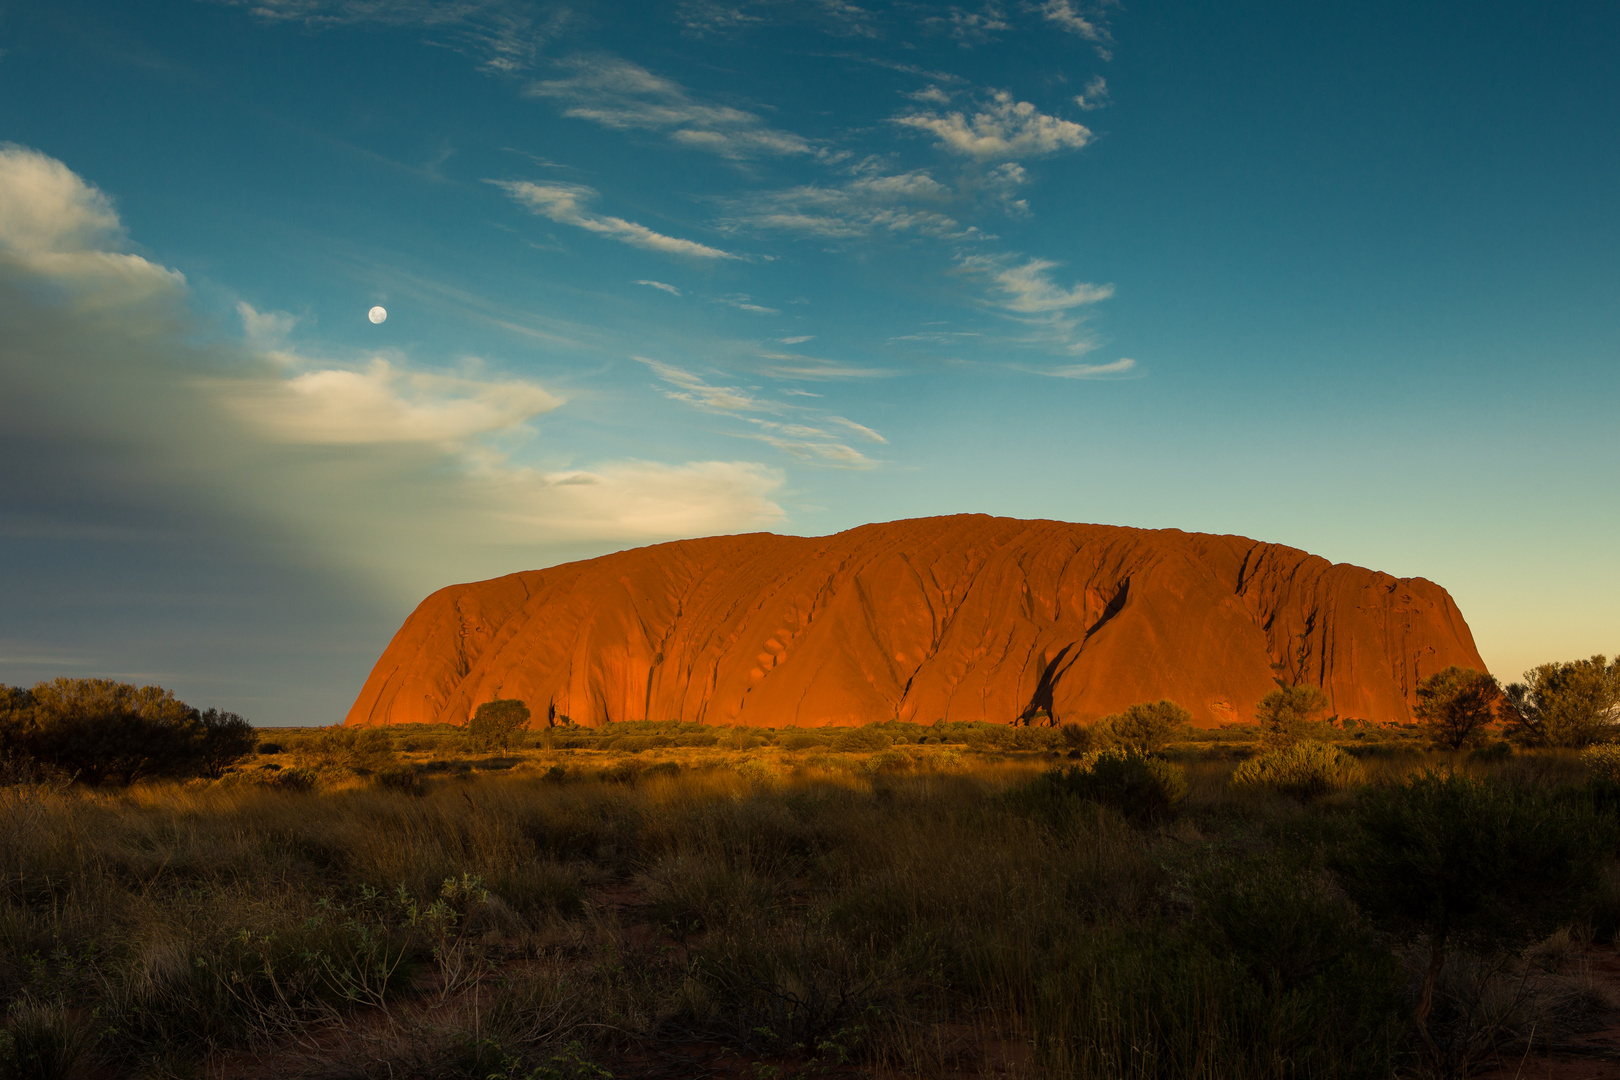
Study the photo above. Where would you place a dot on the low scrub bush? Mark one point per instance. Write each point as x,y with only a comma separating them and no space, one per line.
348,747
1141,787
400,778
1305,770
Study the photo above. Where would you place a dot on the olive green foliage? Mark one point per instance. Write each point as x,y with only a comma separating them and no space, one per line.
1456,860
1457,706
1603,762
1305,770
1289,714
1147,728
99,731
1139,786
1574,703
495,724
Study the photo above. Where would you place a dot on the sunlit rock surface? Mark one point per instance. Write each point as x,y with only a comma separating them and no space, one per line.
955,618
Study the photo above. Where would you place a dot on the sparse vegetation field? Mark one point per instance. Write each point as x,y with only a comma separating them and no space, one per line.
665,900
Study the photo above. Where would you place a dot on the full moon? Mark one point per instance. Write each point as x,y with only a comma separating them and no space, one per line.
377,314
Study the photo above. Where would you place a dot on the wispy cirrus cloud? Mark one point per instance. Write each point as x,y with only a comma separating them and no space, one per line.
1002,127
617,93
872,202
661,286
694,390
814,369
1026,292
1028,288
743,302
798,431
1095,95
1072,19
565,204
1122,367
504,35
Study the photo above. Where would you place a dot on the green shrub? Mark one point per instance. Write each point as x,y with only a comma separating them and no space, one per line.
495,723
1147,727
349,747
292,780
401,778
1565,704
1289,714
858,739
1304,770
269,748
1141,787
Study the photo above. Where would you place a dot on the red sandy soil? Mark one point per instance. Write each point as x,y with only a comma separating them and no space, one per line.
967,618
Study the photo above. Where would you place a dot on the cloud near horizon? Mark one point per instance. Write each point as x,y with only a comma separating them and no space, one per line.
104,386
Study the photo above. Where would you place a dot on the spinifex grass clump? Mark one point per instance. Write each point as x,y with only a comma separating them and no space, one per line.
1305,770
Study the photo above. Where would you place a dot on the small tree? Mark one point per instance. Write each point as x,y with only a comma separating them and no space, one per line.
224,739
494,724
1288,713
1457,705
1147,727
1576,703
1450,859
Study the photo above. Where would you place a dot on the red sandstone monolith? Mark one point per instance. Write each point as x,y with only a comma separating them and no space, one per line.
947,618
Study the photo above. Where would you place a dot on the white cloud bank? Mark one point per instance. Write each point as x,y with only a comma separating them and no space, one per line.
380,470
564,204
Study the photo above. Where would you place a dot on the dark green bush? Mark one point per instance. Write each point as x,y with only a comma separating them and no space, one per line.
98,731
1488,865
1140,787
495,724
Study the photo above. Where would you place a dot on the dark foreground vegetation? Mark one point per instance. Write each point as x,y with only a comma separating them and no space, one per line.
1300,898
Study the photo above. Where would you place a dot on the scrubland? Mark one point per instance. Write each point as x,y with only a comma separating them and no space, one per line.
659,900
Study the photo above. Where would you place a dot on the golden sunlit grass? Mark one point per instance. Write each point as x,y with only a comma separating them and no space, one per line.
768,905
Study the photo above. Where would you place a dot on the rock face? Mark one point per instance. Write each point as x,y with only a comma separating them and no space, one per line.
957,618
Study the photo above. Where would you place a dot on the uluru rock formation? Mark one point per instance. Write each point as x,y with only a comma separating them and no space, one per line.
956,618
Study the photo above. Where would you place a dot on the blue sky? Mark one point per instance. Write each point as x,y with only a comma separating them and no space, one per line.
1341,277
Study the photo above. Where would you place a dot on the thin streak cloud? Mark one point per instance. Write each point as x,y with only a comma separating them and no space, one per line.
563,203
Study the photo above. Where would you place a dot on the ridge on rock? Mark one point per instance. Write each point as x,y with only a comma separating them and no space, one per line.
948,618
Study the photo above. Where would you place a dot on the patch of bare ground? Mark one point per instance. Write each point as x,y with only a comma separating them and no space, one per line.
1576,1032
